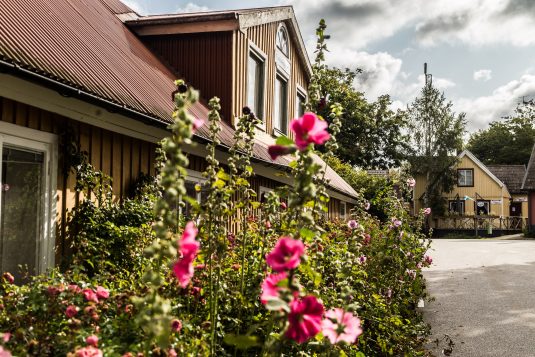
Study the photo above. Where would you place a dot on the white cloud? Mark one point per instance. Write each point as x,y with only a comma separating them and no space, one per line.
136,6
483,75
192,7
501,102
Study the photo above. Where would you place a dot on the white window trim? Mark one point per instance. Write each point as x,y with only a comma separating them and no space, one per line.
196,178
276,132
253,48
22,137
343,204
300,92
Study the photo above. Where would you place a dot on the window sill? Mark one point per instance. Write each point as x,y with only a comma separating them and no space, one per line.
276,133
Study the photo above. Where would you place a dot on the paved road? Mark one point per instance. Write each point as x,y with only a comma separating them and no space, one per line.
485,297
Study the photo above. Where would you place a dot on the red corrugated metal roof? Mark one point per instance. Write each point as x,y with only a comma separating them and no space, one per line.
82,43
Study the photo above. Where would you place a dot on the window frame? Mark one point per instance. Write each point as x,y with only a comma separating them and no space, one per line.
30,139
485,203
283,30
458,177
343,204
300,93
279,76
257,54
457,201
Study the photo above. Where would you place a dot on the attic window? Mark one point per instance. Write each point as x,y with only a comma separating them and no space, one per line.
465,177
282,41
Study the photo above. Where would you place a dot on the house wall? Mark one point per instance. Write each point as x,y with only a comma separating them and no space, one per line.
263,36
203,59
531,211
119,156
484,186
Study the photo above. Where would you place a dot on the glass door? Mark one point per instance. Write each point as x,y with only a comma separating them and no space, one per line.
22,208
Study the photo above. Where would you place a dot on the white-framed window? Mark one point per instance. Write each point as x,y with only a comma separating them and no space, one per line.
300,102
28,171
256,68
482,207
280,110
194,189
343,210
465,177
283,44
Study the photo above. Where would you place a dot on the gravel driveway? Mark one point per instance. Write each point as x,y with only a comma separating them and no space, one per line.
484,294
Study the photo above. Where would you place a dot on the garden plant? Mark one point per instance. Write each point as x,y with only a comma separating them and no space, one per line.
231,275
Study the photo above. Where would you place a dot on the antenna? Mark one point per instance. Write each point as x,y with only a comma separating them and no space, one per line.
428,77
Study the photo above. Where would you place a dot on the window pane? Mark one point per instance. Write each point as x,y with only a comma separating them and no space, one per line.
252,84
22,208
300,106
281,115
255,85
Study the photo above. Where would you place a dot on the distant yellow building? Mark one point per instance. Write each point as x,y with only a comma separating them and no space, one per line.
482,191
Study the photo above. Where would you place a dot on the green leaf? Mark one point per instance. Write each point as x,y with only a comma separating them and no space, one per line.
255,204
219,184
284,141
293,164
241,342
306,234
222,175
249,169
277,304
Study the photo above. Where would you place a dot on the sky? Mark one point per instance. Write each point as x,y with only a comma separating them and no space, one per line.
481,53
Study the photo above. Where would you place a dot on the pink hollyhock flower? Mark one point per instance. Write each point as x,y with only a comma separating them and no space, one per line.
396,222
304,319
427,211
176,325
362,259
102,293
270,286
367,206
172,353
92,340
367,239
74,288
286,255
71,311
6,336
90,295
268,225
54,290
341,326
188,248
419,265
309,129
197,123
353,224
411,182
280,150
88,351
9,277
4,353
283,205
428,260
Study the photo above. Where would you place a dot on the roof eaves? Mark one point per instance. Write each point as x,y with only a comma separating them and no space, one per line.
529,168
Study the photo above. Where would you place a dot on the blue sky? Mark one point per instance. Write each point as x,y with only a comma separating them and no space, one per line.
481,53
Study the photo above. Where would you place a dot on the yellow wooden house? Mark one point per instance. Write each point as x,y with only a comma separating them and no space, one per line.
487,196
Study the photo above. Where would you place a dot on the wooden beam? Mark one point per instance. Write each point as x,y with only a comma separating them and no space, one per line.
190,27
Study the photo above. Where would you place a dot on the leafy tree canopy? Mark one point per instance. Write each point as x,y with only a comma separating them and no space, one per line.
436,136
372,135
508,141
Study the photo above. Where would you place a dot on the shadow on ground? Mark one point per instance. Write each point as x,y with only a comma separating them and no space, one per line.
487,311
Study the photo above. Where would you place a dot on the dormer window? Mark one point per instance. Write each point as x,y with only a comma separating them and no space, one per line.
282,41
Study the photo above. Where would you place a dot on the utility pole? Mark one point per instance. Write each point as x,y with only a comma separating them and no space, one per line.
427,134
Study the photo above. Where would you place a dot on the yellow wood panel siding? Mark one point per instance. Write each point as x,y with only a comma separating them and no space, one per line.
104,150
485,186
264,37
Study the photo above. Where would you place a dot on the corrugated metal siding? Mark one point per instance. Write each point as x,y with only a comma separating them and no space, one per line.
121,157
203,60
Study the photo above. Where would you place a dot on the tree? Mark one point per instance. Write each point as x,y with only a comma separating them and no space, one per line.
436,135
372,134
507,141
